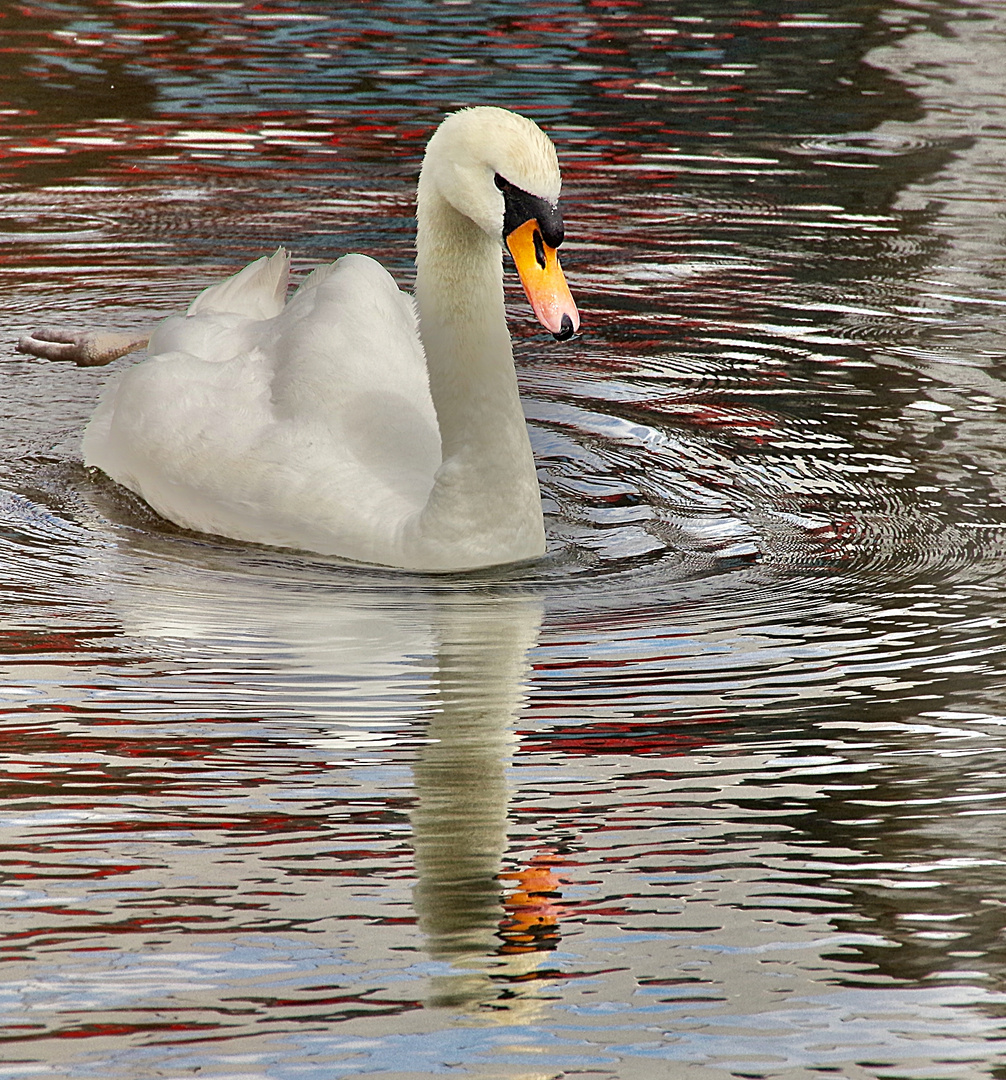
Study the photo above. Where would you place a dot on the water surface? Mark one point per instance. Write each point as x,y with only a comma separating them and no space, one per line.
716,788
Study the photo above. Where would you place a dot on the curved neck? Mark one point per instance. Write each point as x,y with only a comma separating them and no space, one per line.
485,494
462,323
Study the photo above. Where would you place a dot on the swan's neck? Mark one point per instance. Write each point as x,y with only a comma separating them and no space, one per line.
459,292
488,475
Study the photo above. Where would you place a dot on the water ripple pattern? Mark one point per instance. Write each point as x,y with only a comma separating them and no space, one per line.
714,789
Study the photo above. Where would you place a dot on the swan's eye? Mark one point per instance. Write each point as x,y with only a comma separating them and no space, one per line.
520,207
539,248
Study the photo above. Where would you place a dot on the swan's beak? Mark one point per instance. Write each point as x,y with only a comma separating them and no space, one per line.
543,280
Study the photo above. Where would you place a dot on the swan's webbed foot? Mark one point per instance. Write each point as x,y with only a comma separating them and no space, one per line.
85,348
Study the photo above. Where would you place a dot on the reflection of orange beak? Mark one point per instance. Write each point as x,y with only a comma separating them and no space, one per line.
543,280
532,919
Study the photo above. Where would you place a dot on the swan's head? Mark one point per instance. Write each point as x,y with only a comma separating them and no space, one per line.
500,171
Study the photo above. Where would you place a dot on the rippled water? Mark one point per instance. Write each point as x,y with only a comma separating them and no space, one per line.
716,789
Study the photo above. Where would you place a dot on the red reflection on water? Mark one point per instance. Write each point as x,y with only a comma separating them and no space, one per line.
639,738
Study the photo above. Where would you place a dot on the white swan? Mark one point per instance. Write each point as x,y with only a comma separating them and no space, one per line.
331,422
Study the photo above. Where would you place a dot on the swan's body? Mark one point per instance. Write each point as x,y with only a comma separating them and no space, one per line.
335,422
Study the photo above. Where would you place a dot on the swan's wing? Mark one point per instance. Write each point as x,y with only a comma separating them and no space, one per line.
313,428
224,321
257,292
353,310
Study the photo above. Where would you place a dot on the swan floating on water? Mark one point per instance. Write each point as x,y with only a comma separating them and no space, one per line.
337,421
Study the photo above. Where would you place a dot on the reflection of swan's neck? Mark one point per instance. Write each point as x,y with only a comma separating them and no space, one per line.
486,452
460,817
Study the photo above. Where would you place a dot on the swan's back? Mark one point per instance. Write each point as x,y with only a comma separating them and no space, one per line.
306,425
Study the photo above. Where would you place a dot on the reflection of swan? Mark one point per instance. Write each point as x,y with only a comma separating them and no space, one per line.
460,820
319,423
364,671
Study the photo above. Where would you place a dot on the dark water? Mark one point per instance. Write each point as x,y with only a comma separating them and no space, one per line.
718,788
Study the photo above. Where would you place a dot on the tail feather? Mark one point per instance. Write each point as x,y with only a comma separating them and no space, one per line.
257,292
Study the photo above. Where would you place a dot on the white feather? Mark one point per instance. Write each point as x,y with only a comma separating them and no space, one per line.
310,423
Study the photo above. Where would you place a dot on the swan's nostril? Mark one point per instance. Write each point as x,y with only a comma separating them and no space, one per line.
539,249
566,329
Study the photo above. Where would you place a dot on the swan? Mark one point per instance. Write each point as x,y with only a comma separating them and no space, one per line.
350,420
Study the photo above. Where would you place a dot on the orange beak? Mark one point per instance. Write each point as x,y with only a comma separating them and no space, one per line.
543,280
